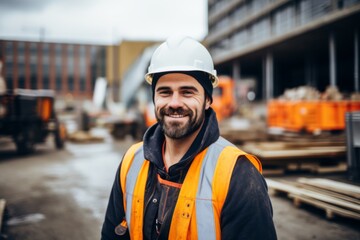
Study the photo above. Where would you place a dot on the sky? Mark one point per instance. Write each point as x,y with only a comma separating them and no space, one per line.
101,21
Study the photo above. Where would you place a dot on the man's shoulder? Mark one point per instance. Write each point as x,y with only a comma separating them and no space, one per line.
135,147
229,150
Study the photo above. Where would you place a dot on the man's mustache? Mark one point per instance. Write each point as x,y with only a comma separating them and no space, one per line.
173,111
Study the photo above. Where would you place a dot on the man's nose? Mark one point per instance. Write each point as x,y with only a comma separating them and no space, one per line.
175,100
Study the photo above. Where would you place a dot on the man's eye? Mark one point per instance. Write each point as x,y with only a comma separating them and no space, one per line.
164,93
187,93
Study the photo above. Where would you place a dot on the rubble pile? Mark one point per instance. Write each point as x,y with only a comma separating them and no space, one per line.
331,93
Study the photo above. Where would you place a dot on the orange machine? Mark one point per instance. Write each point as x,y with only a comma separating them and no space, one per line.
224,102
27,116
311,116
149,115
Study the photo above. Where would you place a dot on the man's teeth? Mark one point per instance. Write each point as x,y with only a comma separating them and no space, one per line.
176,116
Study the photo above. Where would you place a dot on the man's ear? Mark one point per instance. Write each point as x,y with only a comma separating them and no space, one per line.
207,102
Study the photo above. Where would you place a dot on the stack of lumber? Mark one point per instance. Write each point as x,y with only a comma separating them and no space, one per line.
294,150
336,198
324,136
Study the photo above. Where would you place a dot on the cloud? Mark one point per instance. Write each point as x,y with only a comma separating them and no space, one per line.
104,21
21,5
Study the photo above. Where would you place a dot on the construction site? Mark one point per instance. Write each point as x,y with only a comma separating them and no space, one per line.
288,93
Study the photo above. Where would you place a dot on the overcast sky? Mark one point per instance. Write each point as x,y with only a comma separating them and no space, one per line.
101,21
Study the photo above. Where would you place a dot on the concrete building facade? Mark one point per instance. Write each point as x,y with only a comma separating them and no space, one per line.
281,44
65,68
119,58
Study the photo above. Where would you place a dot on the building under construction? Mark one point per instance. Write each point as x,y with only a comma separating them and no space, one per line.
281,44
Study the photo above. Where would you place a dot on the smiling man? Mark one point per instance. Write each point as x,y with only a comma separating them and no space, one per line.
180,100
185,181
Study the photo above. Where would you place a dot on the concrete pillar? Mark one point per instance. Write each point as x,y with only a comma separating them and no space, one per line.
236,75
332,53
309,70
356,60
268,66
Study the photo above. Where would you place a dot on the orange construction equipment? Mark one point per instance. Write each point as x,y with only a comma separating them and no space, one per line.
309,115
224,101
276,113
149,115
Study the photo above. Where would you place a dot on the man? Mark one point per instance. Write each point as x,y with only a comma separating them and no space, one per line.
184,181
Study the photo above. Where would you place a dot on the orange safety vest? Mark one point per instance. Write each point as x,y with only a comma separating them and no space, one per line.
201,198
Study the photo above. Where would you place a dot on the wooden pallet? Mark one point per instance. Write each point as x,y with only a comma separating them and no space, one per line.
313,168
318,168
340,202
287,152
334,186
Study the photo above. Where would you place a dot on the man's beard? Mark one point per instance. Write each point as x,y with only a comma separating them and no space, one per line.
174,129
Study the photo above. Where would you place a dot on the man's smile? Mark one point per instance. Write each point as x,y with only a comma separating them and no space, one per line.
176,115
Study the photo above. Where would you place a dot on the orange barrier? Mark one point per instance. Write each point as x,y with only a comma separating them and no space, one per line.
275,113
330,115
224,102
354,106
309,115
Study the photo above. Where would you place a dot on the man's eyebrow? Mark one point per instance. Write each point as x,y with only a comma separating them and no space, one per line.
162,88
181,88
189,88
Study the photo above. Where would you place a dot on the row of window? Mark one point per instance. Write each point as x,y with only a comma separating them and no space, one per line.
278,22
62,67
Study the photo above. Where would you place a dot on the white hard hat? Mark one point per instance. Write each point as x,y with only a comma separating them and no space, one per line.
181,54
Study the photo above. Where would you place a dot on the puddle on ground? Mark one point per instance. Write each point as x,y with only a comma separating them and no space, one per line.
26,219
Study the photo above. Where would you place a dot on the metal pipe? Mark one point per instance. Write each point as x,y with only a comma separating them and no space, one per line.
269,71
332,59
236,71
356,59
236,75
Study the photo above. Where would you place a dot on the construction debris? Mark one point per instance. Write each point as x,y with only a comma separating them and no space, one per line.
332,93
301,93
355,96
336,198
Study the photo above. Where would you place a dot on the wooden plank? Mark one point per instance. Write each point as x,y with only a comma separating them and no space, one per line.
277,171
280,186
277,153
327,192
329,209
335,186
316,167
2,209
340,167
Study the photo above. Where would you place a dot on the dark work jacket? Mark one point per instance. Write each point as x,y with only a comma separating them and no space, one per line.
247,210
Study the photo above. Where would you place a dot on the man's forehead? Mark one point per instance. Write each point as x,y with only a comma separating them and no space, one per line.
177,79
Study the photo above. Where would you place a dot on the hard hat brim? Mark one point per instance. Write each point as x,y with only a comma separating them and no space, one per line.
149,75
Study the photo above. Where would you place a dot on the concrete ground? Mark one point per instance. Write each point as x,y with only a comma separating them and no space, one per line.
63,194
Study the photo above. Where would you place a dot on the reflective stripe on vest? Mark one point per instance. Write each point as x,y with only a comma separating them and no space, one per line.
204,209
133,176
198,208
